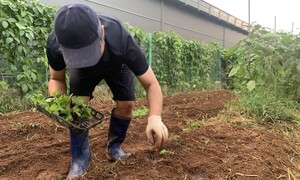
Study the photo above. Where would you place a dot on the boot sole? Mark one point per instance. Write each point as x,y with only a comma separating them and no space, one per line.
115,159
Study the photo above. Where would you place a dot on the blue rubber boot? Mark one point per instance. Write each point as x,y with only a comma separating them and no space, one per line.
116,135
81,154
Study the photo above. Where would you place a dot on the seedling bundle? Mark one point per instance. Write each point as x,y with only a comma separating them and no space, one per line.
70,112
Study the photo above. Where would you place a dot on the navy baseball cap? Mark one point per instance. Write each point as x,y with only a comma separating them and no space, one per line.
77,28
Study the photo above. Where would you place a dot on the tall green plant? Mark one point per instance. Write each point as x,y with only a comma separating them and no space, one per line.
25,25
272,91
275,61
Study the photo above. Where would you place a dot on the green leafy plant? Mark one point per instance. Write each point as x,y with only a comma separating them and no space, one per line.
140,112
68,107
24,27
267,81
182,65
185,64
274,62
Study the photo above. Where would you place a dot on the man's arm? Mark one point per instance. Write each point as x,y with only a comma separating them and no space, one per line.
57,82
156,131
154,94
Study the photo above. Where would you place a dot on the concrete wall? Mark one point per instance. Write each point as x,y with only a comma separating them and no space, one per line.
164,15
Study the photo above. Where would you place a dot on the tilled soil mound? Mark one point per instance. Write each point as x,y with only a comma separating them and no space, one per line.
201,146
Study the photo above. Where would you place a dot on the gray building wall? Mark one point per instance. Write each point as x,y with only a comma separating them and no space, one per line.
180,16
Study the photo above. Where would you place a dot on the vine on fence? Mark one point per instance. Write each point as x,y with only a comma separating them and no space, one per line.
178,62
25,25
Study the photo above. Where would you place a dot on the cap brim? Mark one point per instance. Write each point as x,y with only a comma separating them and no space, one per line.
82,57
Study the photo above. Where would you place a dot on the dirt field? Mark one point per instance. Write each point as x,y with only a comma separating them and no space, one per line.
202,146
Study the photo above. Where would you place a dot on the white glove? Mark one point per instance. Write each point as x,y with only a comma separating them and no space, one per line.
156,131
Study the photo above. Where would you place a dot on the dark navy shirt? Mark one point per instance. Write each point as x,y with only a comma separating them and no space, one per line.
120,48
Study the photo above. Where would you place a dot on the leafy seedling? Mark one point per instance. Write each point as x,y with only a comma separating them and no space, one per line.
166,152
140,112
68,108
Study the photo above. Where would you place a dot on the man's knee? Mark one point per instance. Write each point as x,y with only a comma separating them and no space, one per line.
124,108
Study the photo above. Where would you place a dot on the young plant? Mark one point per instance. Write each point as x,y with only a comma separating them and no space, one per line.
140,112
194,125
67,107
166,152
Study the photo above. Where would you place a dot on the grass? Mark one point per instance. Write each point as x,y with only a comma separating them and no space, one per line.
194,124
266,106
10,101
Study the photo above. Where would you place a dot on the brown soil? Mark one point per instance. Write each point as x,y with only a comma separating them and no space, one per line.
201,146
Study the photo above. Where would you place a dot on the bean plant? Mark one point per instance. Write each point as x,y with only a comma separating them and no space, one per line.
24,27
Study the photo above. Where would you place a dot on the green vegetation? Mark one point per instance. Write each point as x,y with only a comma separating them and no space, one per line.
180,64
24,25
11,99
266,106
194,125
67,107
24,58
166,152
140,112
267,82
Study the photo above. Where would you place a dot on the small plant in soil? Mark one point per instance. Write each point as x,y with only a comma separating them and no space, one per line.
140,112
194,124
166,152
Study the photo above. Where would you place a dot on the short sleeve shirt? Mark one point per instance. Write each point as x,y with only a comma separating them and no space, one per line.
120,48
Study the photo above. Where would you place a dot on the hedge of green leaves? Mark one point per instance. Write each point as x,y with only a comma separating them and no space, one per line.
24,26
177,62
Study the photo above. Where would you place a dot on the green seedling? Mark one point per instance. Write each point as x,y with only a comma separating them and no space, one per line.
166,152
191,125
67,107
140,112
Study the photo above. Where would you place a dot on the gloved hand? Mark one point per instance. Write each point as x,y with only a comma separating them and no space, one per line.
156,131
